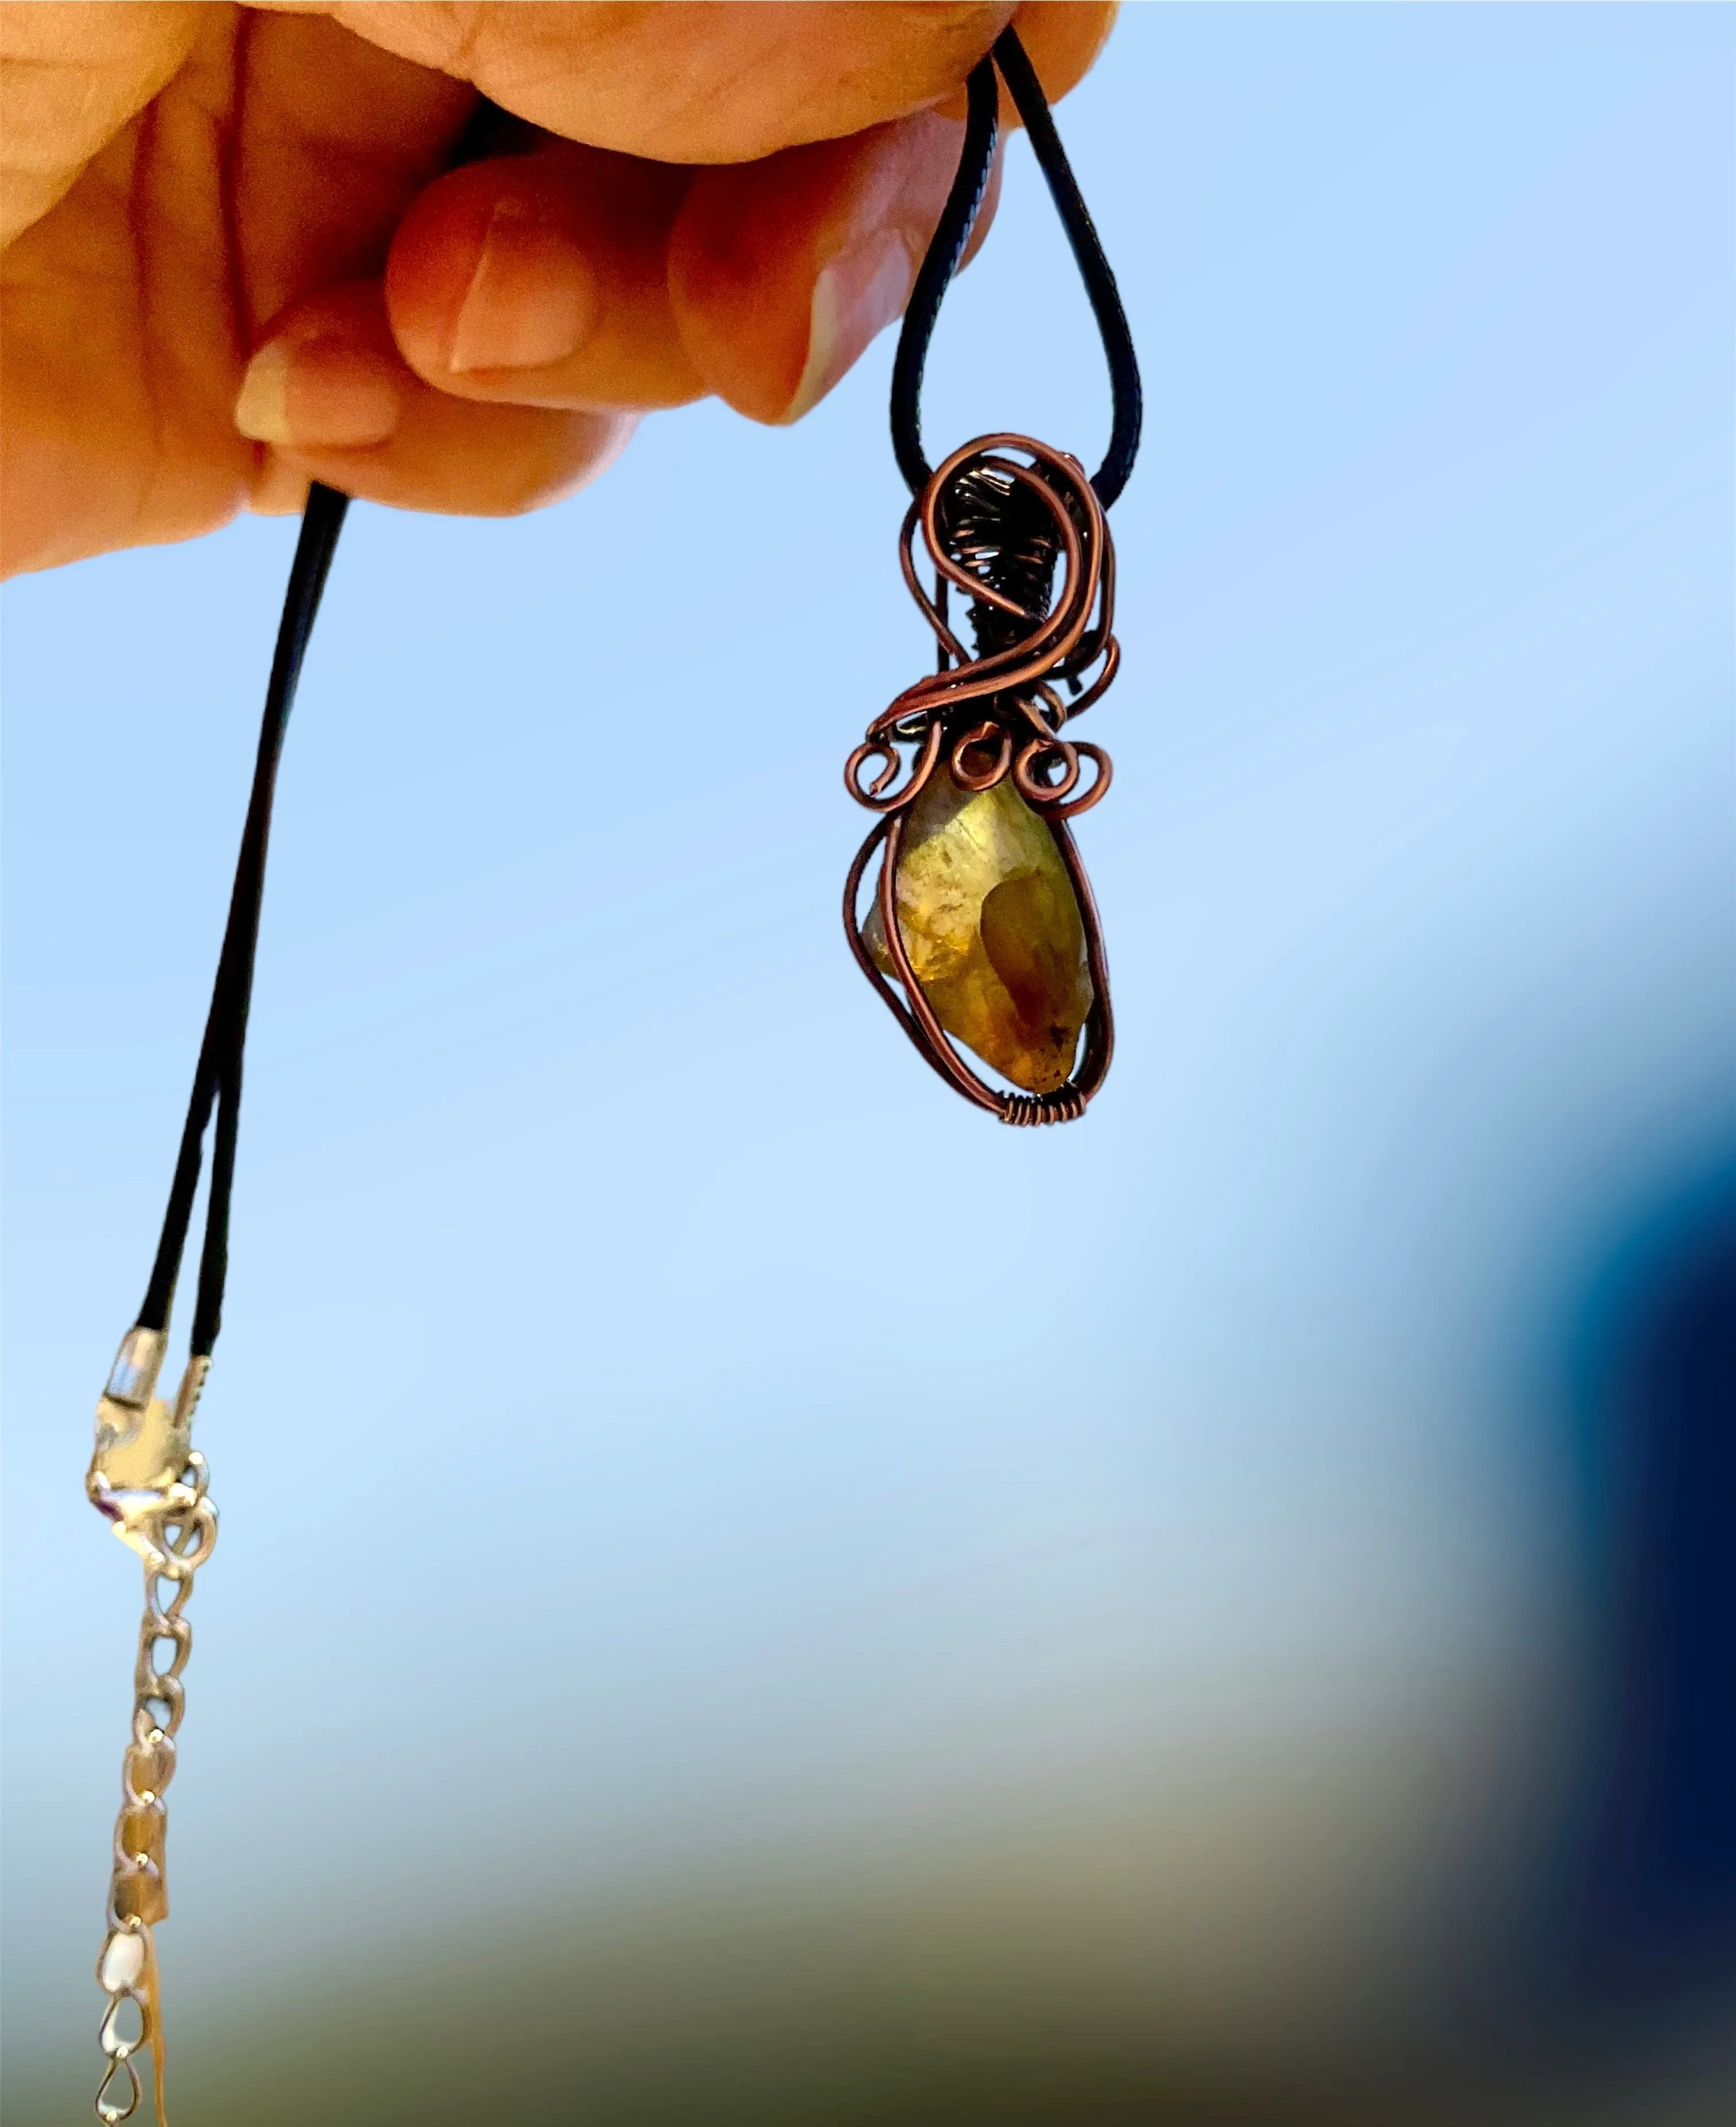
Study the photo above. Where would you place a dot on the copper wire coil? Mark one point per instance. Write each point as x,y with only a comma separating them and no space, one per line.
1058,639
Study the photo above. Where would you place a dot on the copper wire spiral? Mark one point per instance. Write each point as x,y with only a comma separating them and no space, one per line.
1000,519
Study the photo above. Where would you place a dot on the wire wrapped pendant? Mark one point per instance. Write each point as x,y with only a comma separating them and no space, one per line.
981,912
982,934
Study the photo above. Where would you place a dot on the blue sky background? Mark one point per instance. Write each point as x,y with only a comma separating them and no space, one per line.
650,1407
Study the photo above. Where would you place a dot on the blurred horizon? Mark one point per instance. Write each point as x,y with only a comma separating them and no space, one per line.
746,1592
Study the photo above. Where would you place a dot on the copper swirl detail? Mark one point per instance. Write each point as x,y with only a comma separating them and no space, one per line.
1017,529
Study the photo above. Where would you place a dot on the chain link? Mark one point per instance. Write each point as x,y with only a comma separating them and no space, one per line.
174,1541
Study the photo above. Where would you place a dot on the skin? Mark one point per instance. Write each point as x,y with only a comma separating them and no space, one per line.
238,254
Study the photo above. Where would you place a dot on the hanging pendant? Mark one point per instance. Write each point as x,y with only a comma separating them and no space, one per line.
981,914
980,932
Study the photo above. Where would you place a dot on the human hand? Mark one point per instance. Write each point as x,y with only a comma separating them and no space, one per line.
238,257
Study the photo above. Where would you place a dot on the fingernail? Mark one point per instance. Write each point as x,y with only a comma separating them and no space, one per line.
858,294
532,300
319,395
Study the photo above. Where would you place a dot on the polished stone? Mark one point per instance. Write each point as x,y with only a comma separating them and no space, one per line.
989,918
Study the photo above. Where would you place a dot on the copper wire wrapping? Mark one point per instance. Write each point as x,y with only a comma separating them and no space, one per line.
1001,518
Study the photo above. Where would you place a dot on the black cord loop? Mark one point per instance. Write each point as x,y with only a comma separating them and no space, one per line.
941,262
217,1079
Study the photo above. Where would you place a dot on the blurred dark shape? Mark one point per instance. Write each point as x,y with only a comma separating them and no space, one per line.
1645,1910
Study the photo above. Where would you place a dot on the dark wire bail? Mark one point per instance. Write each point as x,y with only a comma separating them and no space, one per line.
964,202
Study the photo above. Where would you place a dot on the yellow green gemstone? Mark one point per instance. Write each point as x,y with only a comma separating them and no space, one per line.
988,916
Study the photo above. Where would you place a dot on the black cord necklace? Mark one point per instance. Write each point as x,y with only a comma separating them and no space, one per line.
982,935
145,1474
